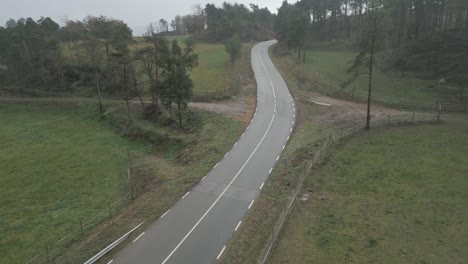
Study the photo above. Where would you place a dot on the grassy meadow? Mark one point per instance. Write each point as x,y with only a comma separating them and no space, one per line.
61,163
212,77
326,70
59,166
390,195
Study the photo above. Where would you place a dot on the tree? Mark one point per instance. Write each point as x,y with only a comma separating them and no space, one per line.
163,26
92,48
177,25
195,22
154,57
375,26
233,47
291,24
177,85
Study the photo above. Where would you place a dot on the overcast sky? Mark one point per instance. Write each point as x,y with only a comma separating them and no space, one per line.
136,13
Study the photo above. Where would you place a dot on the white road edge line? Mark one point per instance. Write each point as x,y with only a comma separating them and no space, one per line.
288,138
261,186
216,165
233,179
284,147
235,144
138,237
220,253
270,171
225,155
165,213
277,158
203,178
110,261
251,203
185,195
237,227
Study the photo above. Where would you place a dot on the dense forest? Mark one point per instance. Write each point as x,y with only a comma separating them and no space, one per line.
425,36
102,52
428,37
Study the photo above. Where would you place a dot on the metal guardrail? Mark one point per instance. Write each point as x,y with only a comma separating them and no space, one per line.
111,246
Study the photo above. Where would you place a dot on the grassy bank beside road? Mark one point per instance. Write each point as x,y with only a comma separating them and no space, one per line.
390,195
58,166
326,69
61,163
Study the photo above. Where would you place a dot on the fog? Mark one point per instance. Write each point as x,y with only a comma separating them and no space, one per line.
136,13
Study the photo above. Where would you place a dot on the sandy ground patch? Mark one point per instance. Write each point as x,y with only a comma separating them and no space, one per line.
341,112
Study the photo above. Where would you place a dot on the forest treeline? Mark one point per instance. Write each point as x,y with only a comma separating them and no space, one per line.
426,36
99,53
217,24
101,56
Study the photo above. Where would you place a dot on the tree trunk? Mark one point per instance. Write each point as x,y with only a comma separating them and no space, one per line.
179,112
402,23
106,44
348,26
460,15
101,110
128,110
371,65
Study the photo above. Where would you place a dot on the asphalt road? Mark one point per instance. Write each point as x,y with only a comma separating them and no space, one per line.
198,227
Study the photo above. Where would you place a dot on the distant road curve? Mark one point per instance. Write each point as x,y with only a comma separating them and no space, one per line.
198,228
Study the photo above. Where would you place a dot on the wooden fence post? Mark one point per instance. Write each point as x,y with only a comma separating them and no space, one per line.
82,229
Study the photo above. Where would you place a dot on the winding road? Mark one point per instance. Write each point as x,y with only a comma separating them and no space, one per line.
198,228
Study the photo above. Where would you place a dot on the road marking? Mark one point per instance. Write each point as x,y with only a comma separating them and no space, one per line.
261,186
165,213
235,144
293,122
251,203
110,261
277,158
290,130
138,237
269,77
185,195
274,111
232,181
288,138
237,227
221,195
284,147
270,171
203,178
220,253
226,154
216,165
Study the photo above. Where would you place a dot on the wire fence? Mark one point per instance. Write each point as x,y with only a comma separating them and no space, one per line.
136,184
333,137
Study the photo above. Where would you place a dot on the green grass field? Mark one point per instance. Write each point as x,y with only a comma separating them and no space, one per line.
390,195
58,166
212,78
328,63
62,164
333,65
